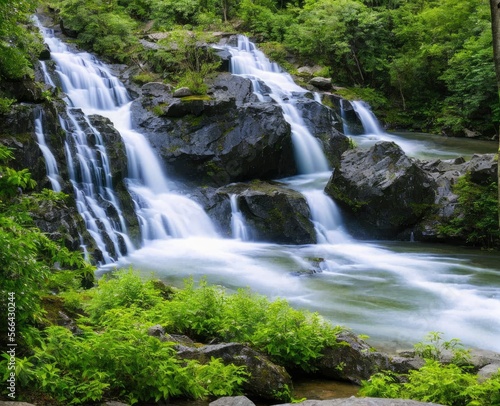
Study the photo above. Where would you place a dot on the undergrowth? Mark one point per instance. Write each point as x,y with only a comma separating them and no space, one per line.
447,383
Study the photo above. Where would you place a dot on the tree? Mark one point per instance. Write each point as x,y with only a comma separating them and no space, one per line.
495,29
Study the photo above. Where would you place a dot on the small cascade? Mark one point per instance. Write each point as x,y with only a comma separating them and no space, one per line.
239,227
367,118
345,126
92,89
50,160
326,218
249,62
90,175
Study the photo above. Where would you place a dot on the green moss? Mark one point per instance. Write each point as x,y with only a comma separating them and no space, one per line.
203,97
159,109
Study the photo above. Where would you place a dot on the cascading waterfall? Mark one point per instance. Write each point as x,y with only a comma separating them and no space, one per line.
345,126
239,227
251,63
50,160
367,118
90,86
394,293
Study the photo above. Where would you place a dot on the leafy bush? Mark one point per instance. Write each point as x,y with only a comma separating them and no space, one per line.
123,289
293,338
27,256
450,384
476,217
125,363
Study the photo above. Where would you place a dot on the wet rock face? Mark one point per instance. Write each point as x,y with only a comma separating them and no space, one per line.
387,191
216,140
273,212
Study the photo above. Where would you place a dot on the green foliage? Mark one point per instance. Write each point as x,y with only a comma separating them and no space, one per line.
19,45
5,104
123,289
27,256
449,384
433,349
103,27
477,217
294,338
123,362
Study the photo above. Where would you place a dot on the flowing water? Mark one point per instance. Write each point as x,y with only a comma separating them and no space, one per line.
393,292
419,145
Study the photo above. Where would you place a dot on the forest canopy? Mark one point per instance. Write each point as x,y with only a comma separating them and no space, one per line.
423,65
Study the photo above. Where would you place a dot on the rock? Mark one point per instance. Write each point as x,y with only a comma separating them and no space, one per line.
353,401
156,89
183,92
353,360
326,125
386,191
488,371
44,53
8,403
266,378
216,140
232,401
483,168
308,70
445,173
273,212
321,83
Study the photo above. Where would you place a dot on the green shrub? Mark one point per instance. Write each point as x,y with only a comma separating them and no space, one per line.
476,218
125,363
121,290
292,337
451,384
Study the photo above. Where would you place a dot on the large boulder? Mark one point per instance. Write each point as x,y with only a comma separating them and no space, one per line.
387,191
352,359
273,212
445,173
216,140
266,379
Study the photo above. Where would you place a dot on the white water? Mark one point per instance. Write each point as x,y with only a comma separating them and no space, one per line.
424,146
393,293
239,227
50,160
249,62
91,87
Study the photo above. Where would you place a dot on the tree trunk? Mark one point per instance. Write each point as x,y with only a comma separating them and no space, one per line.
495,29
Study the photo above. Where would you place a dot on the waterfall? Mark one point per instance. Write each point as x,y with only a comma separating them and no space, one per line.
345,126
90,87
249,62
367,118
326,217
239,227
50,160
